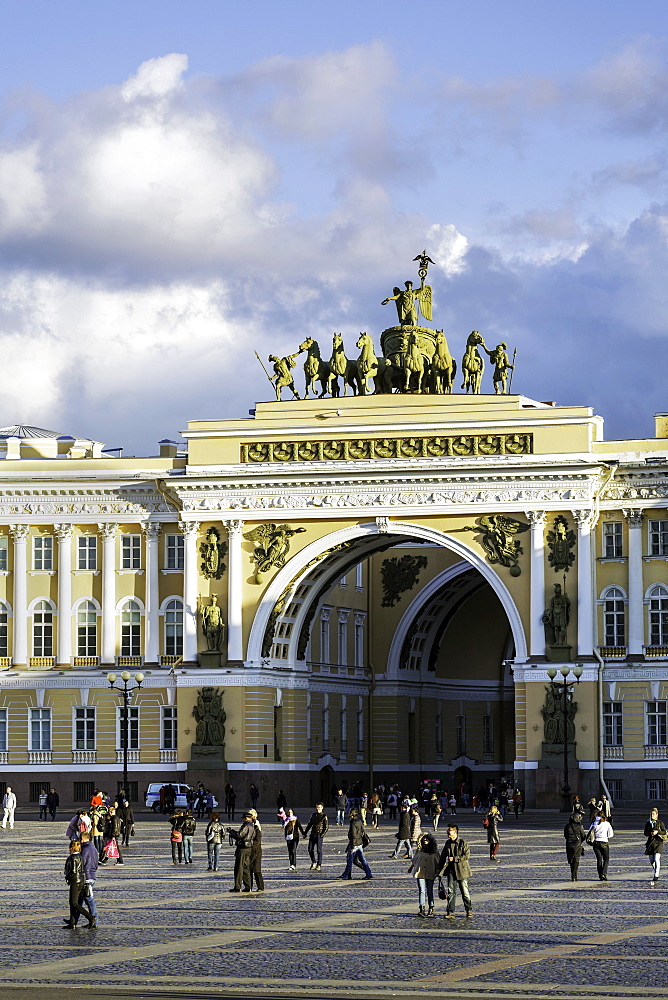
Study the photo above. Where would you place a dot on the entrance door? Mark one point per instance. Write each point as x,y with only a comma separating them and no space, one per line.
326,785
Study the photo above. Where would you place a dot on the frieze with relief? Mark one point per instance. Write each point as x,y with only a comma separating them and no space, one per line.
362,449
82,503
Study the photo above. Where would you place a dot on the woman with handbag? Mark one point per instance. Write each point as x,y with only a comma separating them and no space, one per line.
656,834
291,830
424,865
176,836
111,850
598,835
491,822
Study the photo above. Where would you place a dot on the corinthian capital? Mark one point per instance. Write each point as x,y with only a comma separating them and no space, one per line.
585,518
64,532
233,527
535,517
19,531
634,516
189,528
151,529
108,529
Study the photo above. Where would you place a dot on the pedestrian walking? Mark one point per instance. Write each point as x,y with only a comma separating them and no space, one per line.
491,823
577,809
291,830
424,866
517,803
416,826
575,837
318,825
111,850
176,836
75,876
256,856
9,807
53,803
403,834
170,798
341,802
230,802
593,810
392,801
454,864
98,816
244,838
43,803
656,834
127,818
602,833
452,802
214,834
90,862
357,841
188,827
254,795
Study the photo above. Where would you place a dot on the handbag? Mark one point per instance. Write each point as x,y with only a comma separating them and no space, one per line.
485,822
591,836
177,836
442,893
289,836
87,891
111,849
366,840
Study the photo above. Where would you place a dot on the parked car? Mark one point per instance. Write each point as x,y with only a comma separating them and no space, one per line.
152,799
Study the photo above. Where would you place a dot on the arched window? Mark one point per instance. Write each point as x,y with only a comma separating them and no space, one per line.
614,617
174,628
42,629
658,615
131,629
86,629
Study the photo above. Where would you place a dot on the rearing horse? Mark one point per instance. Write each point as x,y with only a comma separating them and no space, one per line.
443,366
367,363
340,365
315,369
472,363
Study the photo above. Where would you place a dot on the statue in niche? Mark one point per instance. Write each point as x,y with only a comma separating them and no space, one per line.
498,540
212,625
553,715
213,552
561,542
398,576
557,617
210,717
272,546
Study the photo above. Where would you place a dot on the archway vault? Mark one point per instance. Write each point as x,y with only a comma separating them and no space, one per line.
291,596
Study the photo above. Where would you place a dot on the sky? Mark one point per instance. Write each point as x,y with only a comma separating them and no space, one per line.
182,184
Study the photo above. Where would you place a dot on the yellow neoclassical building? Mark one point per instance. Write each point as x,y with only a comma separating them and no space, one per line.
395,578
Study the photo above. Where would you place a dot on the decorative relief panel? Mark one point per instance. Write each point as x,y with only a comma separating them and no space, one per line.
385,448
82,502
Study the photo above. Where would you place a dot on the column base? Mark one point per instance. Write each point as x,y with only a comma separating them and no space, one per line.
211,659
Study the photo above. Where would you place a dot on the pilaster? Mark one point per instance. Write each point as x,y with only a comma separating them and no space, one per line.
635,627
586,519
189,530
108,532
64,533
537,584
20,536
151,530
234,591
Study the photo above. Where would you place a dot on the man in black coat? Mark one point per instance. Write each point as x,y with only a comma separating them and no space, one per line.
52,802
318,825
454,864
403,835
575,838
244,837
357,841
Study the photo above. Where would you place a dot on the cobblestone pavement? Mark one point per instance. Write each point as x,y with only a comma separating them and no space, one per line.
177,931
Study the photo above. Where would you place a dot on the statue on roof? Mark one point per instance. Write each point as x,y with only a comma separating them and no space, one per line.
411,300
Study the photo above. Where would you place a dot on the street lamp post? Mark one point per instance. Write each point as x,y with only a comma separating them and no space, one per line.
566,689
126,693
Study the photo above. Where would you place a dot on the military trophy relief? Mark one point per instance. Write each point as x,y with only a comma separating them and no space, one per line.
413,358
399,574
212,552
212,628
208,748
497,538
555,718
272,545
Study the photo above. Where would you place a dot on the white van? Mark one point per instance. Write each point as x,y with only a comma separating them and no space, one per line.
152,800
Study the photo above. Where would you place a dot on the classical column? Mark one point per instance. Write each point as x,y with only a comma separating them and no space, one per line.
64,534
537,583
586,519
108,533
635,617
152,530
20,536
189,530
234,591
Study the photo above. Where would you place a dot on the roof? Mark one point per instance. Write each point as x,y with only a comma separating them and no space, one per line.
29,432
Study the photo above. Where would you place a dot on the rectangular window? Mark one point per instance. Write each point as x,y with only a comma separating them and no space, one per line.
84,728
83,791
359,641
4,561
615,789
131,552
656,721
343,639
612,724
439,728
42,552
359,578
40,729
133,728
612,540
3,730
87,552
658,538
278,732
360,725
488,734
655,789
613,617
461,735
324,640
174,551
169,734
4,646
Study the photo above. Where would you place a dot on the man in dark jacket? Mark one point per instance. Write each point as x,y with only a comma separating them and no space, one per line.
341,803
90,862
244,837
454,864
318,825
357,841
127,818
404,834
575,839
53,801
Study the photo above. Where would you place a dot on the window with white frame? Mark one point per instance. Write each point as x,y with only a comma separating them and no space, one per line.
359,640
614,630
133,727
656,723
612,724
174,628
324,635
42,629
131,552
343,637
4,558
4,630
655,789
174,551
131,629
359,577
42,553
658,538
3,730
84,729
612,540
87,629
87,553
168,729
40,728
343,583
658,615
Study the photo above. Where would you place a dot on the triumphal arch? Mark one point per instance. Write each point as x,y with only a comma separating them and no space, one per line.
372,578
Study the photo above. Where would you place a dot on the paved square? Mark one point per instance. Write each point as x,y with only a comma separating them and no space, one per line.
173,930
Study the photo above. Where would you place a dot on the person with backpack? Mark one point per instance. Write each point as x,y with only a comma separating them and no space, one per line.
291,830
188,827
214,834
